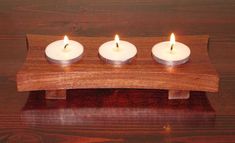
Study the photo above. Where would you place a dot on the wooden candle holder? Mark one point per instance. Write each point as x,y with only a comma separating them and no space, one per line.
143,72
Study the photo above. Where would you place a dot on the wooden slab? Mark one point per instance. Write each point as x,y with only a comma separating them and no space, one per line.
38,74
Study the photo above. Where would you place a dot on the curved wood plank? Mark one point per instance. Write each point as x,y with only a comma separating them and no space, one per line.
38,74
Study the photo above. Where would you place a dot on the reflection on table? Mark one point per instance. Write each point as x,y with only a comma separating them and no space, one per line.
119,109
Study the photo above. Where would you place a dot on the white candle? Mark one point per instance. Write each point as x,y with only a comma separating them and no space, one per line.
64,51
170,52
117,51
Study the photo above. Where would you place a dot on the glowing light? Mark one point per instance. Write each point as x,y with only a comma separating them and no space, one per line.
117,40
172,41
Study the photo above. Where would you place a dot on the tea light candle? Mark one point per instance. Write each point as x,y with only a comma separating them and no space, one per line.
64,51
171,52
117,51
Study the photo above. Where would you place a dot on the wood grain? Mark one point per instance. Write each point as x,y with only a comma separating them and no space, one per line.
38,74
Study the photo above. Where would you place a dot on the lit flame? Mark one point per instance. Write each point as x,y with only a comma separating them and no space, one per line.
172,41
66,41
117,40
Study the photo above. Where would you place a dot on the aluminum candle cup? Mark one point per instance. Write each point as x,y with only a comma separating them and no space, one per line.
117,51
64,52
171,53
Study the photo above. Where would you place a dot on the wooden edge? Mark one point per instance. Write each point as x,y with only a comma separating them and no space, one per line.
23,64
217,75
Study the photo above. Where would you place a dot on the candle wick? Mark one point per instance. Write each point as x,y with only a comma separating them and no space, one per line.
172,46
65,46
117,45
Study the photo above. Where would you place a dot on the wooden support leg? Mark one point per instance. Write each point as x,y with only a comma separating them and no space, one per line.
55,94
178,94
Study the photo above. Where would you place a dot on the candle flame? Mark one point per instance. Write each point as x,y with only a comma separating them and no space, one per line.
172,41
66,41
117,40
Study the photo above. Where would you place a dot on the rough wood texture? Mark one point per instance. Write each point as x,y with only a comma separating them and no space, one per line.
38,74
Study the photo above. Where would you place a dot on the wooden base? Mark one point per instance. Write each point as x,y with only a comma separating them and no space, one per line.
143,72
178,94
55,94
